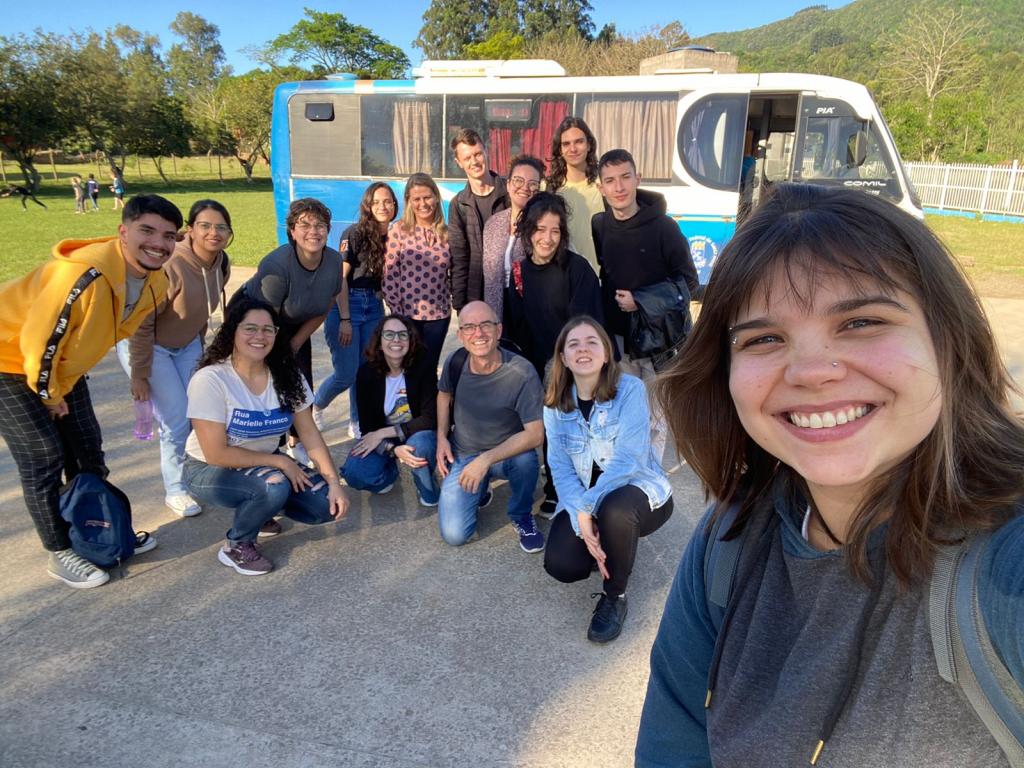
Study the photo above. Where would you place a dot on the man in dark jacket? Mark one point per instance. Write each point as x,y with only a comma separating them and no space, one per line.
638,246
484,195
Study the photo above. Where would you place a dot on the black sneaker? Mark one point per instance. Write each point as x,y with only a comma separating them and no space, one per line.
547,508
486,499
606,623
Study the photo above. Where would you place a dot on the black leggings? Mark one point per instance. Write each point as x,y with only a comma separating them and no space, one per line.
623,516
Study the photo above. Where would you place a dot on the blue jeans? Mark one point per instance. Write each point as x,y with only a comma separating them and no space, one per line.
375,472
168,390
366,310
256,494
456,513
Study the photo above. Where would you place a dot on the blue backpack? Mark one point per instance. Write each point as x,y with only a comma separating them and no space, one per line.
963,649
101,520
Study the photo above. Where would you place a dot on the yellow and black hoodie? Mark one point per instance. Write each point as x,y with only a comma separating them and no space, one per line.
59,320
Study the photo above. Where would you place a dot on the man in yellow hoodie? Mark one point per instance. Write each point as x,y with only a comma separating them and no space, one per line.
56,323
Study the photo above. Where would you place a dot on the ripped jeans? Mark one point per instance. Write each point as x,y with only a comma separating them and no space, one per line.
256,494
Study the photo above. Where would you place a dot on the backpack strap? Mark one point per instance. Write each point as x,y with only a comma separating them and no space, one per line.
455,364
963,649
720,559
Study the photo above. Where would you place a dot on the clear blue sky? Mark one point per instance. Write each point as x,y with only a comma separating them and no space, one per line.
248,22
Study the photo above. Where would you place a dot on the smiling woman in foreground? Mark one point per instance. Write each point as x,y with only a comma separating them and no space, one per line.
843,401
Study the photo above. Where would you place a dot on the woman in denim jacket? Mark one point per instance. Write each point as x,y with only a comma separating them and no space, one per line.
610,487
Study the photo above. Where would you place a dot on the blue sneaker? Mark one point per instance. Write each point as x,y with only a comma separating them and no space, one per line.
530,537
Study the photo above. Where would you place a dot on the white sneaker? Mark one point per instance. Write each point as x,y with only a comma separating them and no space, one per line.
144,542
318,418
182,505
298,452
385,489
75,571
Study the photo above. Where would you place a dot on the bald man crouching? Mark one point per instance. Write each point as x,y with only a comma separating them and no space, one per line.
498,412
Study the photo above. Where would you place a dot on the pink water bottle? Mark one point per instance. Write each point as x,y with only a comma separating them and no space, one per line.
143,420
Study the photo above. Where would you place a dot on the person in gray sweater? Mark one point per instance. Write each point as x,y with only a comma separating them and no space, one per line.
843,397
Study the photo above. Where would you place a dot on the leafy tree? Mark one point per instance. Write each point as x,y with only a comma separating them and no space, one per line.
451,25
563,16
248,100
195,68
500,45
332,44
27,122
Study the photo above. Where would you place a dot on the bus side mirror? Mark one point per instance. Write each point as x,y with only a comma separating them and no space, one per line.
860,148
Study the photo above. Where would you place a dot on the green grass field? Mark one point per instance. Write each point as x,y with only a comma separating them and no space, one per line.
992,254
27,237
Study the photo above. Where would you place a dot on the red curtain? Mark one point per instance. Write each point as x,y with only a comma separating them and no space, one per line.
537,140
499,149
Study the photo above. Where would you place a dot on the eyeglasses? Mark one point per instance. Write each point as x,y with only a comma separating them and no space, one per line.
392,335
518,182
487,326
382,204
305,226
251,329
205,226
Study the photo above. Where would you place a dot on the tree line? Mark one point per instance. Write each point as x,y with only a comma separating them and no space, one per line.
116,92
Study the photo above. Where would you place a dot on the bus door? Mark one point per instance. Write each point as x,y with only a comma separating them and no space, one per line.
768,145
704,195
837,147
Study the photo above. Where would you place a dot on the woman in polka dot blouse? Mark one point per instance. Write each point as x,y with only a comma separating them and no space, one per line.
417,265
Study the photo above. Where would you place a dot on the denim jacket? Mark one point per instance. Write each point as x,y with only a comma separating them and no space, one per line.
617,438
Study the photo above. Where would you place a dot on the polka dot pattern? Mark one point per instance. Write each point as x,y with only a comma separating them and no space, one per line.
417,274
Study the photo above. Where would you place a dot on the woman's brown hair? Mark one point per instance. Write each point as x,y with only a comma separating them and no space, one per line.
560,378
374,241
964,475
374,353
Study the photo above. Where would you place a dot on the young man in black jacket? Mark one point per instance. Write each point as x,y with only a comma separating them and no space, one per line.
638,245
484,195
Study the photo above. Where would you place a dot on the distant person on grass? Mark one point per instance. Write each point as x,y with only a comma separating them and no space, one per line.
24,192
92,189
76,187
56,323
117,187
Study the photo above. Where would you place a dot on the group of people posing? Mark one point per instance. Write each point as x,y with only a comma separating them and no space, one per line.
240,417
841,398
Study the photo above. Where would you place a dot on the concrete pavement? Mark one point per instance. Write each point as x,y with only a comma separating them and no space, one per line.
372,644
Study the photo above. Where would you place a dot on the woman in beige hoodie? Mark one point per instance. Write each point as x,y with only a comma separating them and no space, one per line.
162,355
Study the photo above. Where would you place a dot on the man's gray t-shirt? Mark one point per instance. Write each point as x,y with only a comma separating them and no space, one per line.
297,293
491,408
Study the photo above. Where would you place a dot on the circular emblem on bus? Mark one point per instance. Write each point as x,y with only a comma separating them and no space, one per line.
703,250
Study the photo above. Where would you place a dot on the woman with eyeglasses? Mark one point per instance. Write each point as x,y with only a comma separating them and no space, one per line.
162,354
502,246
396,389
359,308
301,280
245,396
417,265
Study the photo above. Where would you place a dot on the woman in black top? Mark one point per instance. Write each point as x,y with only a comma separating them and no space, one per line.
359,308
548,287
396,389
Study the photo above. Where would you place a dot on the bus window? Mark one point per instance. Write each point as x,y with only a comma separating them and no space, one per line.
711,140
509,125
323,142
837,145
401,135
642,123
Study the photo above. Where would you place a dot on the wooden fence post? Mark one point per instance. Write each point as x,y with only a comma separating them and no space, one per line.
53,167
174,164
3,171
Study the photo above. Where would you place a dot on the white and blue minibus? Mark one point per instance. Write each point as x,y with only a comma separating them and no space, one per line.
710,143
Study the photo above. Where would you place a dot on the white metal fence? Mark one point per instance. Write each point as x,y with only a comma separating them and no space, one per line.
968,187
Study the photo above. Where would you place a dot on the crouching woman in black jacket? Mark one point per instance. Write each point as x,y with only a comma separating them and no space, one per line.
396,392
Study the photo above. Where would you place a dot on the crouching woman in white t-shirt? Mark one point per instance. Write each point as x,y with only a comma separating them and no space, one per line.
246,394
